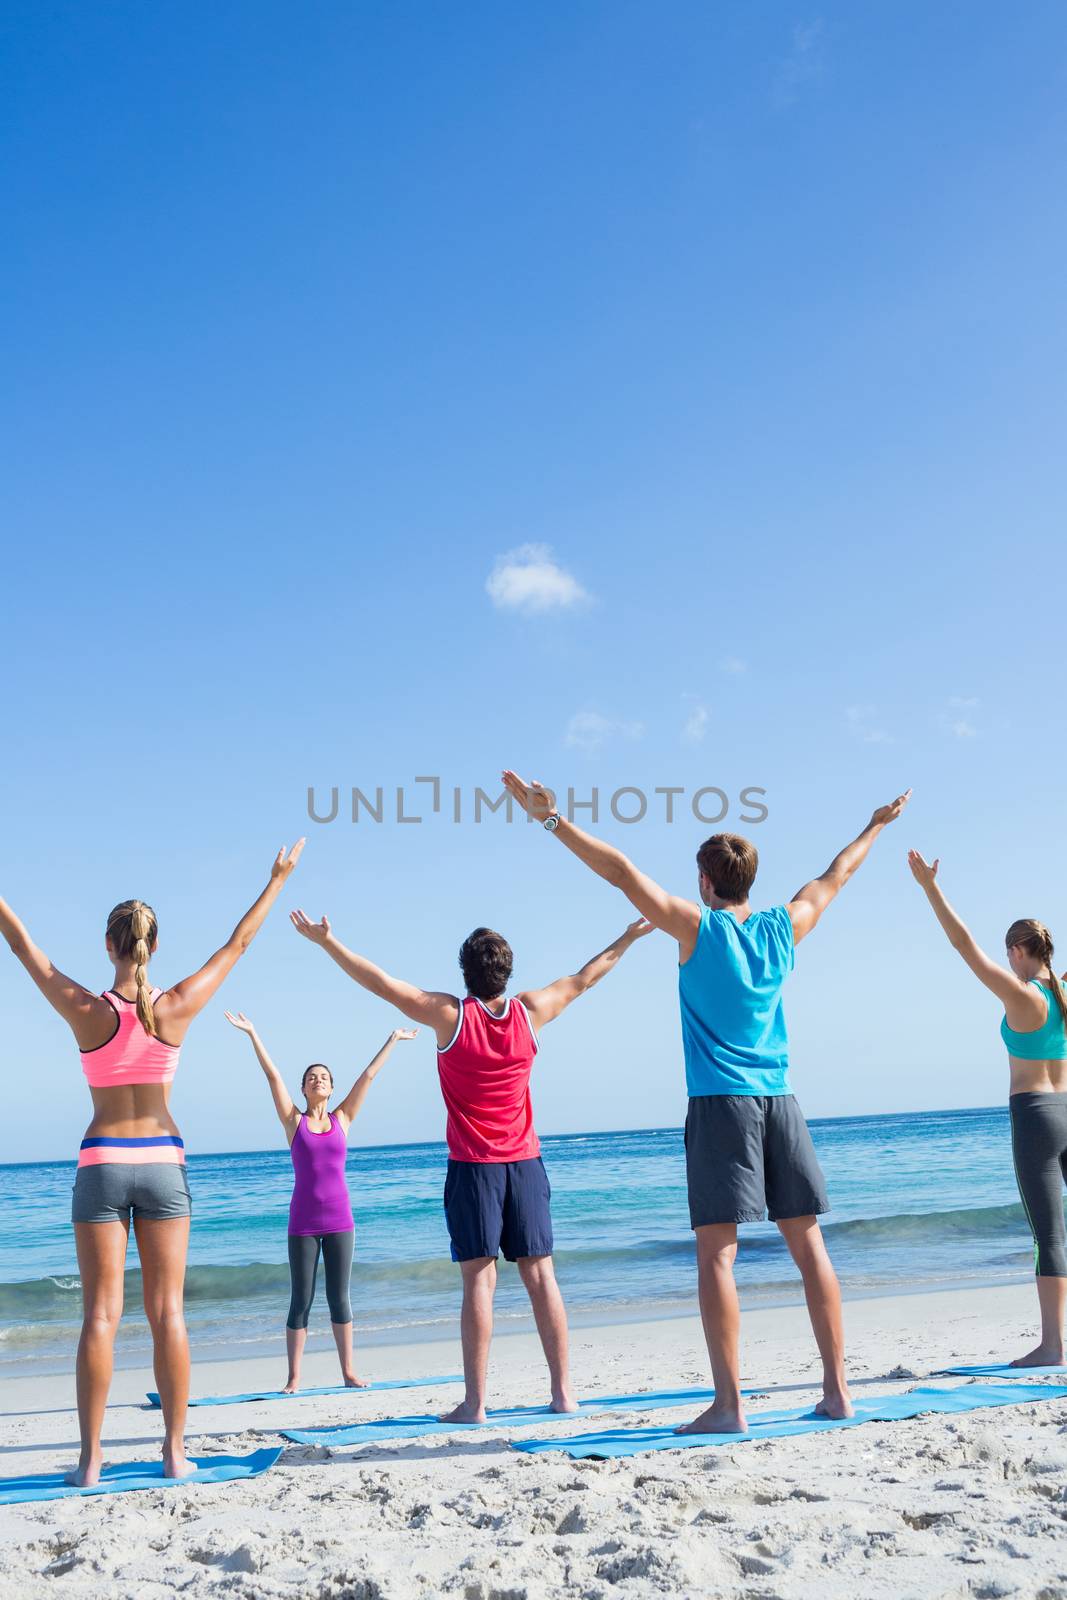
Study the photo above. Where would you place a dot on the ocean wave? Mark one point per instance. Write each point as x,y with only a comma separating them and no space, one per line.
975,1222
38,1296
398,1283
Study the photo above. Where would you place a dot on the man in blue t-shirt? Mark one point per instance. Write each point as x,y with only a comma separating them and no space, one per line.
747,1146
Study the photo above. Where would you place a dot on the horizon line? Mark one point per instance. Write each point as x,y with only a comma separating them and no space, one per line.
588,1133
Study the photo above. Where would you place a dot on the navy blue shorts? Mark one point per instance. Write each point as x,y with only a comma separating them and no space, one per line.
495,1207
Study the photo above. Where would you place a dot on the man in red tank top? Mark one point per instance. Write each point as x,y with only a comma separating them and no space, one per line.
497,1191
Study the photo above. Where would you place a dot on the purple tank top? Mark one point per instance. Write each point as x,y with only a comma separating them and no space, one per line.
320,1202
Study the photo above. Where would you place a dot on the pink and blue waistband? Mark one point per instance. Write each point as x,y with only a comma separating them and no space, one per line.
162,1147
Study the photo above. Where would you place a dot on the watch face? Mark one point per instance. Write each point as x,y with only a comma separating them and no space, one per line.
552,823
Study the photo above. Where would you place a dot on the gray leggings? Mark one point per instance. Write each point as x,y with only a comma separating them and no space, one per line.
303,1268
1039,1148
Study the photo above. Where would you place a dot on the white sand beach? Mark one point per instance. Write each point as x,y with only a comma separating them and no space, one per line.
968,1506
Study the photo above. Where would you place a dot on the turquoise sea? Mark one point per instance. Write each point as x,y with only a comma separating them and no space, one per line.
921,1201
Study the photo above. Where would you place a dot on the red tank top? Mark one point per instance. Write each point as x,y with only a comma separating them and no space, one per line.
485,1079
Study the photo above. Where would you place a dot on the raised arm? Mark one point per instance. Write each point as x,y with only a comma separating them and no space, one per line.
82,1010
435,1009
544,1005
669,912
288,1115
809,903
1024,1006
352,1103
181,1003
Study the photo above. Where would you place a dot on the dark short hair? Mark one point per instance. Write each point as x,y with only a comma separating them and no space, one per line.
310,1068
729,862
486,960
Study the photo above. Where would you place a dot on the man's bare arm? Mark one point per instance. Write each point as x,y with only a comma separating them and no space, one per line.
437,1010
544,1005
809,903
669,912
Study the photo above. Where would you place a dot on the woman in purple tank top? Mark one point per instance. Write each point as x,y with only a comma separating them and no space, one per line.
320,1212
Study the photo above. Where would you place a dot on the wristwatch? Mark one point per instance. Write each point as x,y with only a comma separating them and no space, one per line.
553,822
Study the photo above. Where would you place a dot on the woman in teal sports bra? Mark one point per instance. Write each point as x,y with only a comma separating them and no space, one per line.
1035,1031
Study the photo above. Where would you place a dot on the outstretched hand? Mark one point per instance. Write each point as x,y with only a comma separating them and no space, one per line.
317,932
891,812
534,798
922,871
404,1033
638,929
286,860
240,1022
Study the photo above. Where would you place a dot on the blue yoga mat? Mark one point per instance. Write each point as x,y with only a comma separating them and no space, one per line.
787,1424
136,1475
308,1394
516,1416
1001,1372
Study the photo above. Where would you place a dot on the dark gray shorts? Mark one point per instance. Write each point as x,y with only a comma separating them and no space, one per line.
116,1190
750,1154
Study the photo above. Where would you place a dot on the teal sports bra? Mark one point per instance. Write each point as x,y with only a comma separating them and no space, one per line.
1047,1043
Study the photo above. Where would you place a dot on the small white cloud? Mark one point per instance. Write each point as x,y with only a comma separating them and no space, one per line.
696,725
803,65
863,723
953,722
531,580
588,730
734,666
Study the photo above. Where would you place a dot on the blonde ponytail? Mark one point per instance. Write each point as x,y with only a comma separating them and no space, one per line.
132,929
1053,981
141,928
1036,940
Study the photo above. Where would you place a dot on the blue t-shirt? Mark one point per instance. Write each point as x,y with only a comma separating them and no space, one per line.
733,1025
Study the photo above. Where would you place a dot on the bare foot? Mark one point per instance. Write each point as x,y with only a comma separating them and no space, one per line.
564,1402
86,1475
291,1387
466,1411
717,1419
352,1382
836,1404
176,1463
1042,1356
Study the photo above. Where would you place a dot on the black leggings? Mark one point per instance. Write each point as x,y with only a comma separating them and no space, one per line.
303,1268
1039,1148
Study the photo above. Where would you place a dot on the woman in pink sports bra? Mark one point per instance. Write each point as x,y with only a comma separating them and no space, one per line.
131,1166
320,1212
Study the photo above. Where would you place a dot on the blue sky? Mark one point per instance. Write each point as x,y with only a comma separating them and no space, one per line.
743,324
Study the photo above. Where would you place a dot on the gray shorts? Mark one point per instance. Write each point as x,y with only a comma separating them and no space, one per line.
113,1191
750,1154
